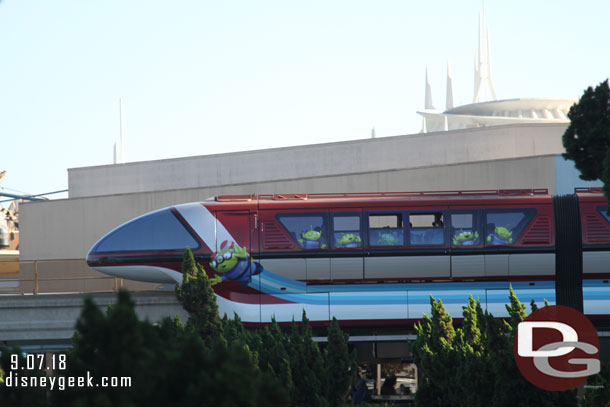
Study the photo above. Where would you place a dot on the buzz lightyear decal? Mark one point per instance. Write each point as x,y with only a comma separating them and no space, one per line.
233,262
466,238
501,235
312,239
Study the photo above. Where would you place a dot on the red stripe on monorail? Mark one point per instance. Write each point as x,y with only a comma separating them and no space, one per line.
248,296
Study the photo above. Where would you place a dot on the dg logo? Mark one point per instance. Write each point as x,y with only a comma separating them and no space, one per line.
556,348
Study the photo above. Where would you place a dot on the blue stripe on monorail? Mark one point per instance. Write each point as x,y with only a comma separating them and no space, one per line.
406,287
492,294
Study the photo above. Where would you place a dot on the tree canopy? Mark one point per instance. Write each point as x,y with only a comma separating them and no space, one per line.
302,371
168,363
198,299
587,138
473,365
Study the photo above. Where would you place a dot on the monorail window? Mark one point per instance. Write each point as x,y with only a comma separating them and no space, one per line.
346,231
426,229
308,229
504,226
160,230
464,230
604,211
386,229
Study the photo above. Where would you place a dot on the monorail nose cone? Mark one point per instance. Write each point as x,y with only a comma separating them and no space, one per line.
159,231
146,241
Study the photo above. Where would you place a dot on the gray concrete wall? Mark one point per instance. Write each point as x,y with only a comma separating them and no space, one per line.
28,319
66,229
69,275
321,160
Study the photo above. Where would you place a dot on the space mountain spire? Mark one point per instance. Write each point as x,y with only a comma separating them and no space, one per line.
449,97
484,90
428,103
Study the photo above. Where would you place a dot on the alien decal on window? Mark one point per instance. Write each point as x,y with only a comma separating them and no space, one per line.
466,238
349,240
388,239
500,235
311,239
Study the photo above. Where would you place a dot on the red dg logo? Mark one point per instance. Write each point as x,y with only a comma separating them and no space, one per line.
556,348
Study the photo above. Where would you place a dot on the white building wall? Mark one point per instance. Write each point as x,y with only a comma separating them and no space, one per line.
320,160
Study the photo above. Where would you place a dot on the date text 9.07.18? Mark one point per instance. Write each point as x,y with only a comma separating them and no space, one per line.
38,361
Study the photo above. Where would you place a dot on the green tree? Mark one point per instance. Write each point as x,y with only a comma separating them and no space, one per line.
533,305
111,344
311,376
473,381
587,138
516,310
233,330
511,388
198,299
474,365
442,323
15,395
606,178
306,363
434,354
598,388
168,364
306,375
338,365
273,356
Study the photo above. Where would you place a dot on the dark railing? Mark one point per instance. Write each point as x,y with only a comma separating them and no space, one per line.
12,281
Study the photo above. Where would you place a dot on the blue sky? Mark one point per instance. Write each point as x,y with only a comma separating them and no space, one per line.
204,77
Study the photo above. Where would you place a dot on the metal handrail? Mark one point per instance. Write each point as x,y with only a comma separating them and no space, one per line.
591,190
118,282
331,195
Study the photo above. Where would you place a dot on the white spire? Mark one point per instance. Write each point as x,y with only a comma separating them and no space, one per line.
484,90
373,133
449,99
428,102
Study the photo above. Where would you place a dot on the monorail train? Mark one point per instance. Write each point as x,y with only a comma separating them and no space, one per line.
374,258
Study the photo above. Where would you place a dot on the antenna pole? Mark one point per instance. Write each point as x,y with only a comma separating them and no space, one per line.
122,140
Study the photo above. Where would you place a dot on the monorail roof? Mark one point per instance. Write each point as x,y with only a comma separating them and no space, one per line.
482,197
540,195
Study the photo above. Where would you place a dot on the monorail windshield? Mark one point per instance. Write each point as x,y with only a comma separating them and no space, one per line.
160,230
